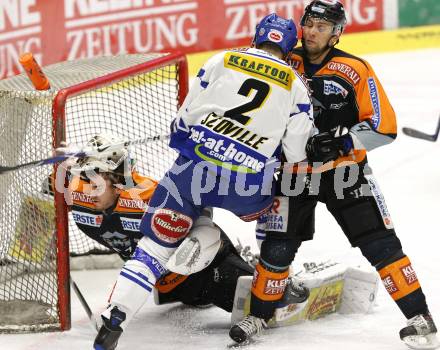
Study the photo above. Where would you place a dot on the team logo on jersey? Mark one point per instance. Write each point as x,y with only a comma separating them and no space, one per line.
87,219
333,88
224,153
130,224
261,68
338,105
374,102
81,197
132,203
118,241
170,226
275,36
278,217
380,201
345,69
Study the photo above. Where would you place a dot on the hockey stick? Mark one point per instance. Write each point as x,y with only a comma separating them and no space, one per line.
421,135
84,304
101,150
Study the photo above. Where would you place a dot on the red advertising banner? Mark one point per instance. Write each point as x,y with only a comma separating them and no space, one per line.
57,30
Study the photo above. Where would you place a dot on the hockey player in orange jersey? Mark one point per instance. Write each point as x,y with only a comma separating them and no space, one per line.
107,199
353,115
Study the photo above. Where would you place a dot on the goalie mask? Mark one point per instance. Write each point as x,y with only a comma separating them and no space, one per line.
108,155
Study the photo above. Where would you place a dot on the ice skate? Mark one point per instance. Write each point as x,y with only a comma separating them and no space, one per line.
246,328
110,331
420,333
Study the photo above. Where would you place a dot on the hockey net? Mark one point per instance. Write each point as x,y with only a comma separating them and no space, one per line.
132,96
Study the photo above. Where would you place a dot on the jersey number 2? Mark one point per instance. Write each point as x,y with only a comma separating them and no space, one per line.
248,85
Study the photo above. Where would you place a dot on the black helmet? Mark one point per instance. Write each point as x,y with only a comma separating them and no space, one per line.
328,10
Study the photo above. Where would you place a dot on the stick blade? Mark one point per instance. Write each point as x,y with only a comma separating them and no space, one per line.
421,135
418,134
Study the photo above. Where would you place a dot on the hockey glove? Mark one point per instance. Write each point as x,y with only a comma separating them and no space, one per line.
330,145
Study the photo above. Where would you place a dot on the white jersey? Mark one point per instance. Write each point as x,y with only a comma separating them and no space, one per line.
243,106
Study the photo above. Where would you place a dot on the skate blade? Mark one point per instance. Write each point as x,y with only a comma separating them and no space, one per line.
422,342
236,345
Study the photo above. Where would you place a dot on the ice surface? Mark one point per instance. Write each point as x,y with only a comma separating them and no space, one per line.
408,172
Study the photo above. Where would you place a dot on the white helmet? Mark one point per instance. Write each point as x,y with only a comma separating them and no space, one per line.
107,155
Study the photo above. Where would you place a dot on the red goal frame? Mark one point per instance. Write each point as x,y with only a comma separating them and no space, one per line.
59,134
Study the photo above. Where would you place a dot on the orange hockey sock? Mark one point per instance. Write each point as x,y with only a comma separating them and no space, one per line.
399,278
267,285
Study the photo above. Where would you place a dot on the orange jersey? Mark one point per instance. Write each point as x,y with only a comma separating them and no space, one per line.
346,91
117,228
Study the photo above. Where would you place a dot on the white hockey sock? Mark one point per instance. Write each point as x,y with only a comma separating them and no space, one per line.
137,278
133,287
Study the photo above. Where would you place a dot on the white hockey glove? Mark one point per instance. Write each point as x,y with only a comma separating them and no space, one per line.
198,249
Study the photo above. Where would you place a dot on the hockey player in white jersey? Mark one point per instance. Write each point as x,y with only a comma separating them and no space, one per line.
244,107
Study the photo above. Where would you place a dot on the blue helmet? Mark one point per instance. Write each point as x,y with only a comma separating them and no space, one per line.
275,29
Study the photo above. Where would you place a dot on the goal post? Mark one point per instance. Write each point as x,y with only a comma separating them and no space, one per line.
133,96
